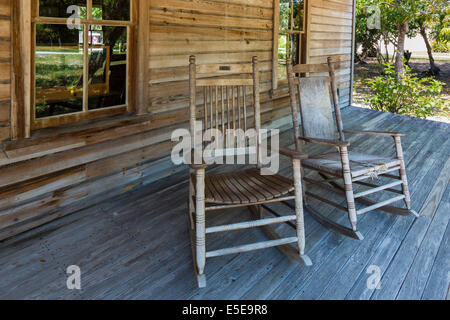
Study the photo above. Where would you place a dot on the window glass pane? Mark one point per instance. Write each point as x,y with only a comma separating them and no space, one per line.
288,47
299,14
295,48
285,14
111,10
59,70
62,8
283,49
107,66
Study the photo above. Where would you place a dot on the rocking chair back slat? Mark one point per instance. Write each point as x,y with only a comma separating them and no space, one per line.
316,109
225,89
319,67
318,99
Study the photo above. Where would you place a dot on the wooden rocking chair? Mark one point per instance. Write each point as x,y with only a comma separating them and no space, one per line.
225,106
317,97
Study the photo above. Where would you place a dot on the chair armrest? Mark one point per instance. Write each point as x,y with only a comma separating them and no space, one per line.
192,164
326,142
379,133
292,153
288,153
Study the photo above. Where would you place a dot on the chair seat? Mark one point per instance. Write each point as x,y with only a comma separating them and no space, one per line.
360,163
243,187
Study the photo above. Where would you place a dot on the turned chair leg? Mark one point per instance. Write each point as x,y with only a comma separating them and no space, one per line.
348,187
191,205
200,232
299,212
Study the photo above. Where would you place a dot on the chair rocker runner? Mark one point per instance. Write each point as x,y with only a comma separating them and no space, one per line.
225,100
317,98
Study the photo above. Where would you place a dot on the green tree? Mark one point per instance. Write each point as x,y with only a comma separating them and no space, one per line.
440,30
401,13
397,16
367,38
429,14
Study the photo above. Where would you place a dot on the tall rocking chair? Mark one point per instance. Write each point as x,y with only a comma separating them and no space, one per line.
317,98
226,92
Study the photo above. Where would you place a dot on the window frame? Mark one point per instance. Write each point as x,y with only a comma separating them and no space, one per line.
23,114
277,32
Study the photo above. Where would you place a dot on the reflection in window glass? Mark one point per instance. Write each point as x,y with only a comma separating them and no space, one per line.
288,46
61,8
299,13
59,70
111,10
107,67
285,14
292,15
282,55
295,47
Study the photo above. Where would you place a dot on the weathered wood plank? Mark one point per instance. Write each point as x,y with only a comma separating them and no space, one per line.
418,169
403,259
125,252
417,277
355,266
436,288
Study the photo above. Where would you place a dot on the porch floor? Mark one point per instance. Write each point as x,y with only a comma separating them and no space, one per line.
136,246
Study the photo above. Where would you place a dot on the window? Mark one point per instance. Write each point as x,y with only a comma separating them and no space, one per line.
289,30
80,60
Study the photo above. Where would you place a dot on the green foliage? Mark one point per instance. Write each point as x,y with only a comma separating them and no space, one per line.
408,96
393,13
282,46
433,14
440,30
441,46
297,11
368,39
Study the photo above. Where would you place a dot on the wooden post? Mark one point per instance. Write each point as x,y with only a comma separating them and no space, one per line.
17,84
276,27
337,109
22,33
142,60
200,227
348,187
352,66
405,188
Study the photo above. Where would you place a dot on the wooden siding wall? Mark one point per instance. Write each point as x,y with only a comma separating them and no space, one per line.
330,33
60,170
228,31
5,69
